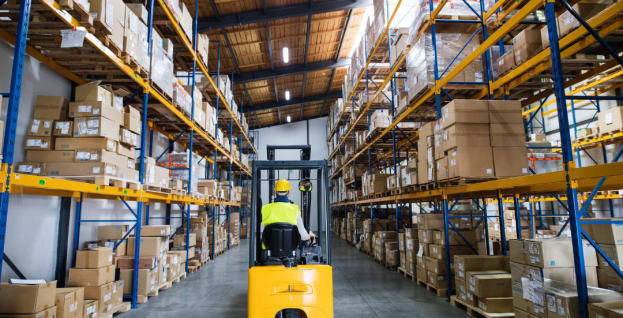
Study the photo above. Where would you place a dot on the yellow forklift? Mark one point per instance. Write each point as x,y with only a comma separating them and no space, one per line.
290,278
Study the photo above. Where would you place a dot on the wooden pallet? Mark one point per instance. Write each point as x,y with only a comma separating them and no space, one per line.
390,267
151,188
143,298
440,292
428,186
182,275
175,280
396,191
104,181
119,309
107,42
477,312
608,133
379,195
83,16
135,66
406,274
459,181
411,189
421,282
192,269
157,88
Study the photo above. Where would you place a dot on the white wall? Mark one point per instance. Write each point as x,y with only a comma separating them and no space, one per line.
32,227
295,134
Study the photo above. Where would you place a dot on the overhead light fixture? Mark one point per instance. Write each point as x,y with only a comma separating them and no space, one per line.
286,55
288,118
287,95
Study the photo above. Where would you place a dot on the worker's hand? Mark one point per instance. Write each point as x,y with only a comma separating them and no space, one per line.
312,236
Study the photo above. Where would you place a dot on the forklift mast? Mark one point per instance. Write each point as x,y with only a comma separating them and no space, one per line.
305,185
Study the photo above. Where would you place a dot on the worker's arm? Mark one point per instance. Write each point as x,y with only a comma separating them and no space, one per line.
302,231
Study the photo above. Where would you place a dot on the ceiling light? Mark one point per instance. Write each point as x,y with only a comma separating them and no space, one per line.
287,95
286,55
288,118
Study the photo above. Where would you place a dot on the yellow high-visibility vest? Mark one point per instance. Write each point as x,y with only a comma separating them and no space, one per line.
279,212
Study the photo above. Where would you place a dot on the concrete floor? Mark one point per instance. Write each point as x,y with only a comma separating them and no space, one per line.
361,288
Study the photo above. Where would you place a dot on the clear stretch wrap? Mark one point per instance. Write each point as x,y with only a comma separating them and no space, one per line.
178,165
181,98
421,60
451,10
494,54
162,69
535,293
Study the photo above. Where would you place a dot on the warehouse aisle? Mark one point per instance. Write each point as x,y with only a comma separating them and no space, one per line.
361,288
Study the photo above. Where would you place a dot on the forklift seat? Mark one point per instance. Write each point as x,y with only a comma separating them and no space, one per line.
281,241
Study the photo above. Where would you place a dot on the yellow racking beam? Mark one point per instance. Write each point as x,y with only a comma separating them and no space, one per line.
190,48
376,46
43,59
63,15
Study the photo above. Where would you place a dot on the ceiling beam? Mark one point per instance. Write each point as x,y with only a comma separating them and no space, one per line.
270,47
279,114
231,50
339,50
294,101
215,10
293,121
257,120
276,92
244,85
278,13
290,70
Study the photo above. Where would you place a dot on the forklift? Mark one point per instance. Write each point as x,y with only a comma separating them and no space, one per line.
289,278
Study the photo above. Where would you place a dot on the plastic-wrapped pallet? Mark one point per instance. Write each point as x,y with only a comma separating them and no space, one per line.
181,98
421,61
176,160
422,12
162,70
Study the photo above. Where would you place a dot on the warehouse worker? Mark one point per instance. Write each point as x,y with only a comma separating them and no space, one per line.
282,211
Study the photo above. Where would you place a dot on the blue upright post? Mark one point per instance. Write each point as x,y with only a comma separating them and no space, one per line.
356,239
447,245
517,215
567,156
486,223
502,227
77,227
215,215
151,142
141,170
12,113
192,130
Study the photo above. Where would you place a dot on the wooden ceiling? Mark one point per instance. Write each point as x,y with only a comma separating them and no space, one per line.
249,43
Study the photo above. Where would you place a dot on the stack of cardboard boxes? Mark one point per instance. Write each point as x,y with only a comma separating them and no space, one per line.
481,140
98,139
95,272
544,269
408,245
484,282
31,300
369,230
199,228
386,247
609,237
432,248
426,166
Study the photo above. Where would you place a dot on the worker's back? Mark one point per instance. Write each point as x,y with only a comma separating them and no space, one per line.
279,212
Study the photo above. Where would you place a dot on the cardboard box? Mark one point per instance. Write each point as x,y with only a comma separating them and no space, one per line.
442,168
557,252
117,293
610,119
437,266
614,252
567,22
95,257
27,299
89,309
63,128
437,280
422,274
75,144
32,168
430,221
81,169
496,304
609,310
505,112
127,262
609,279
545,35
40,127
454,238
147,279
119,251
491,283
112,232
427,236
506,62
100,155
53,156
465,111
103,294
128,174
439,251
609,234
471,135
48,313
468,263
96,127
38,143
127,137
150,246
132,120
51,107
156,230
96,109
139,10
474,162
127,151
526,45
508,135
69,302
85,277
510,161
92,92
